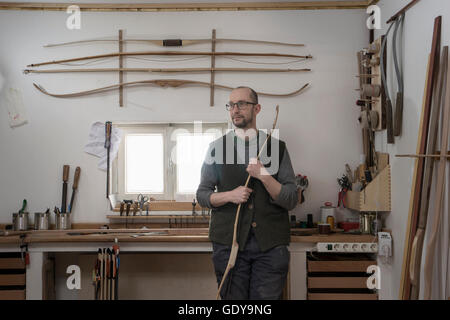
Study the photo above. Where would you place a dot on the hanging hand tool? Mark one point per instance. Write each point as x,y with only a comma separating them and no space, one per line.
122,208
398,119
389,116
108,126
345,185
193,207
76,178
128,203
142,200
116,250
135,208
66,169
302,184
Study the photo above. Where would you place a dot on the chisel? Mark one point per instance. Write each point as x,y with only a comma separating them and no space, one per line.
108,126
74,187
64,192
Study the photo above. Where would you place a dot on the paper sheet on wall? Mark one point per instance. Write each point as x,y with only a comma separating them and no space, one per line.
16,110
96,144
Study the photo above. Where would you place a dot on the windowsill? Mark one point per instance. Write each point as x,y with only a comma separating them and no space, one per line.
164,206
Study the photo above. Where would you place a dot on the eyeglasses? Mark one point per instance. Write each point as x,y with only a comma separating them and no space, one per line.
240,104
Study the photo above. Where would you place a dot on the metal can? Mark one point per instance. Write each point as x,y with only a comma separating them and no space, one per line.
330,221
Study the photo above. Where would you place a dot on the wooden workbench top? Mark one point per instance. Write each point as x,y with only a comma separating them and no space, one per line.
154,235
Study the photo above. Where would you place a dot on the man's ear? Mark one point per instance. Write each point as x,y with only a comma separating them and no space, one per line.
257,108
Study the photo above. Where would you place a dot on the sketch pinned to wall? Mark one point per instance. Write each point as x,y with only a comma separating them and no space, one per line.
96,143
14,105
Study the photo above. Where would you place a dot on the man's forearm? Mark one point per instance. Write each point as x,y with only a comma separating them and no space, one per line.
272,186
218,199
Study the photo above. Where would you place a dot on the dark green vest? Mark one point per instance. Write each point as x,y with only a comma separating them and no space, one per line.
270,221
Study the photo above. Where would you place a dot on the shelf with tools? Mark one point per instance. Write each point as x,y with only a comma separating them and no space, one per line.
375,197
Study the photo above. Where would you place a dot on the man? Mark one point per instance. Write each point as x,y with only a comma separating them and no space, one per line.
263,232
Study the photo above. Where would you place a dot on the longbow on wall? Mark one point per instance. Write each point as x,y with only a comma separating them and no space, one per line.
171,53
174,42
164,70
162,83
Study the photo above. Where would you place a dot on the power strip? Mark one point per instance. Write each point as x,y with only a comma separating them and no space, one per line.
347,247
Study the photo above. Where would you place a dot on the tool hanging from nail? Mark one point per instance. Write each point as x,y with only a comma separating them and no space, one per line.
66,169
345,185
398,119
302,184
76,178
389,111
108,127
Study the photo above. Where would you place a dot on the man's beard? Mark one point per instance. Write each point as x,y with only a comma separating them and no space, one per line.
243,124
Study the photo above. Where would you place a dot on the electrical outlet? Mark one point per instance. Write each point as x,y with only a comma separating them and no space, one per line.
384,244
347,247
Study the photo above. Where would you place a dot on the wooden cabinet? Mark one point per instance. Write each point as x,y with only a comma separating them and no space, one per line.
339,277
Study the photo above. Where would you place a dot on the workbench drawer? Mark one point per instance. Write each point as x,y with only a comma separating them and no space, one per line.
11,263
12,280
340,266
12,276
12,294
337,282
342,296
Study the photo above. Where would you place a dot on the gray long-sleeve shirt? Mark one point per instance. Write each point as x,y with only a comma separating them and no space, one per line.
288,196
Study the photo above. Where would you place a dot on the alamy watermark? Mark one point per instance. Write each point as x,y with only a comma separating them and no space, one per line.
73,22
374,20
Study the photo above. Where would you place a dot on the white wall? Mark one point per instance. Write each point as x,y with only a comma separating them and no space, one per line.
418,30
320,126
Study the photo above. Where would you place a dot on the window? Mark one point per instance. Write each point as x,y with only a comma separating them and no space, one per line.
162,160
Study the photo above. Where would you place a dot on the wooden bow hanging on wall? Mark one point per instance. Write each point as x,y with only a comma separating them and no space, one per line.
213,54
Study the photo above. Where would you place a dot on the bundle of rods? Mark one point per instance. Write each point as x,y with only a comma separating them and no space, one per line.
105,275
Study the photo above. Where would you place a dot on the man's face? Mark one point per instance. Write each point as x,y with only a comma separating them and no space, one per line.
242,119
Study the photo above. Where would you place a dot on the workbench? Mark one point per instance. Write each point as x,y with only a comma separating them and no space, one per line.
42,243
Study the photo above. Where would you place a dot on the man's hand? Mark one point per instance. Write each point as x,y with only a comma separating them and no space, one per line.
239,195
256,169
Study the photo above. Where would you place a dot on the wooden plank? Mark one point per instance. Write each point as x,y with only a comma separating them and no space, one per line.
428,173
440,187
337,282
157,7
150,216
423,137
12,279
339,266
12,263
408,236
12,294
342,296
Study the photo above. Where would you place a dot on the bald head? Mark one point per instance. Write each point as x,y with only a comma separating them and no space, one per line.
252,95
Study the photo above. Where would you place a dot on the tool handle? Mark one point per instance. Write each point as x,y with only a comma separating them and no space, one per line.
24,206
390,123
398,115
122,207
66,169
76,177
108,126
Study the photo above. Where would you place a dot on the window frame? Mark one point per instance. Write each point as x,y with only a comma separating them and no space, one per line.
170,179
